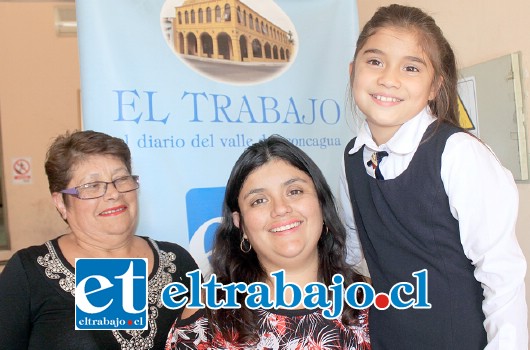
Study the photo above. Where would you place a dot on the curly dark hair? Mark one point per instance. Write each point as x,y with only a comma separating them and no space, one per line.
230,264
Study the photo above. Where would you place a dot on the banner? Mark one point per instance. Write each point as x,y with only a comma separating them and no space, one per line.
189,84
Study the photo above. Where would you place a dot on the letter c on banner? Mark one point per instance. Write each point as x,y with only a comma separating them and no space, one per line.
197,246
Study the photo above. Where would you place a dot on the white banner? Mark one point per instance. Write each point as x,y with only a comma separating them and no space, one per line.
189,84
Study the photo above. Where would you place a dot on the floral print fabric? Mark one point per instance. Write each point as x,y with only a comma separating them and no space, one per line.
290,329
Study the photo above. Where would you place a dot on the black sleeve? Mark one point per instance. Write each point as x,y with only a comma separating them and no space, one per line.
185,263
15,315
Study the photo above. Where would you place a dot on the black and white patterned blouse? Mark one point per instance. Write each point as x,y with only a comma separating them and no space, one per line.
37,303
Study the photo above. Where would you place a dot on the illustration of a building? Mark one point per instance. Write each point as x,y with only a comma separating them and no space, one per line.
229,30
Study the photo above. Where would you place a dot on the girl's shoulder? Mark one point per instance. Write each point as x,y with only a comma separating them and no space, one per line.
465,145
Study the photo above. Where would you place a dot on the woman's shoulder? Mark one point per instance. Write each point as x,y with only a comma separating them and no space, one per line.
172,258
168,246
179,252
33,252
39,261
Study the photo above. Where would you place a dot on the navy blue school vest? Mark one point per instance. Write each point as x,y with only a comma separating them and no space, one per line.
405,225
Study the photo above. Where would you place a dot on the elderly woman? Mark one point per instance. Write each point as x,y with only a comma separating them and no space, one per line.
94,191
278,213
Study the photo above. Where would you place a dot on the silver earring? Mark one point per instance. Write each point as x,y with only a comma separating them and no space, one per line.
245,245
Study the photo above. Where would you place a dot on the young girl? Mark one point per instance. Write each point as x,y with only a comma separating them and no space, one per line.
421,193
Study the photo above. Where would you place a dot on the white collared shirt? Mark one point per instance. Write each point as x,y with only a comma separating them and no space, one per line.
483,198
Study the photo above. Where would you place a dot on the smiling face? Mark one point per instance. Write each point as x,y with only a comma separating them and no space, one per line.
393,80
112,216
280,215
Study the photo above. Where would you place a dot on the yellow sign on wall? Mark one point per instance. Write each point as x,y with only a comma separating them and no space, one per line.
464,119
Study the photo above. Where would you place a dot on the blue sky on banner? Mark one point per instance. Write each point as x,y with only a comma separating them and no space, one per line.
187,111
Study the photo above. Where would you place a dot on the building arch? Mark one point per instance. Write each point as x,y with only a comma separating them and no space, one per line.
224,45
268,50
180,43
227,36
256,49
206,45
192,44
243,47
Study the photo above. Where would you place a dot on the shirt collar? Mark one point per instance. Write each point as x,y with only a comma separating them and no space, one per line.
404,141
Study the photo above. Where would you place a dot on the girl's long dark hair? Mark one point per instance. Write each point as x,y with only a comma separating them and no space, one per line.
230,264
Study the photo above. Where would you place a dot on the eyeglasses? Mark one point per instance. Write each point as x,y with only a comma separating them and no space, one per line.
98,189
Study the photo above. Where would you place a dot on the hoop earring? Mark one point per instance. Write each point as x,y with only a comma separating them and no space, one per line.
245,244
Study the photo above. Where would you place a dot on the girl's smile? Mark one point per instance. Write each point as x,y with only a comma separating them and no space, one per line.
393,80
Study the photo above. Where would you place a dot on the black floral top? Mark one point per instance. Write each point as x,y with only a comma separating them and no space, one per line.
278,329
37,303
